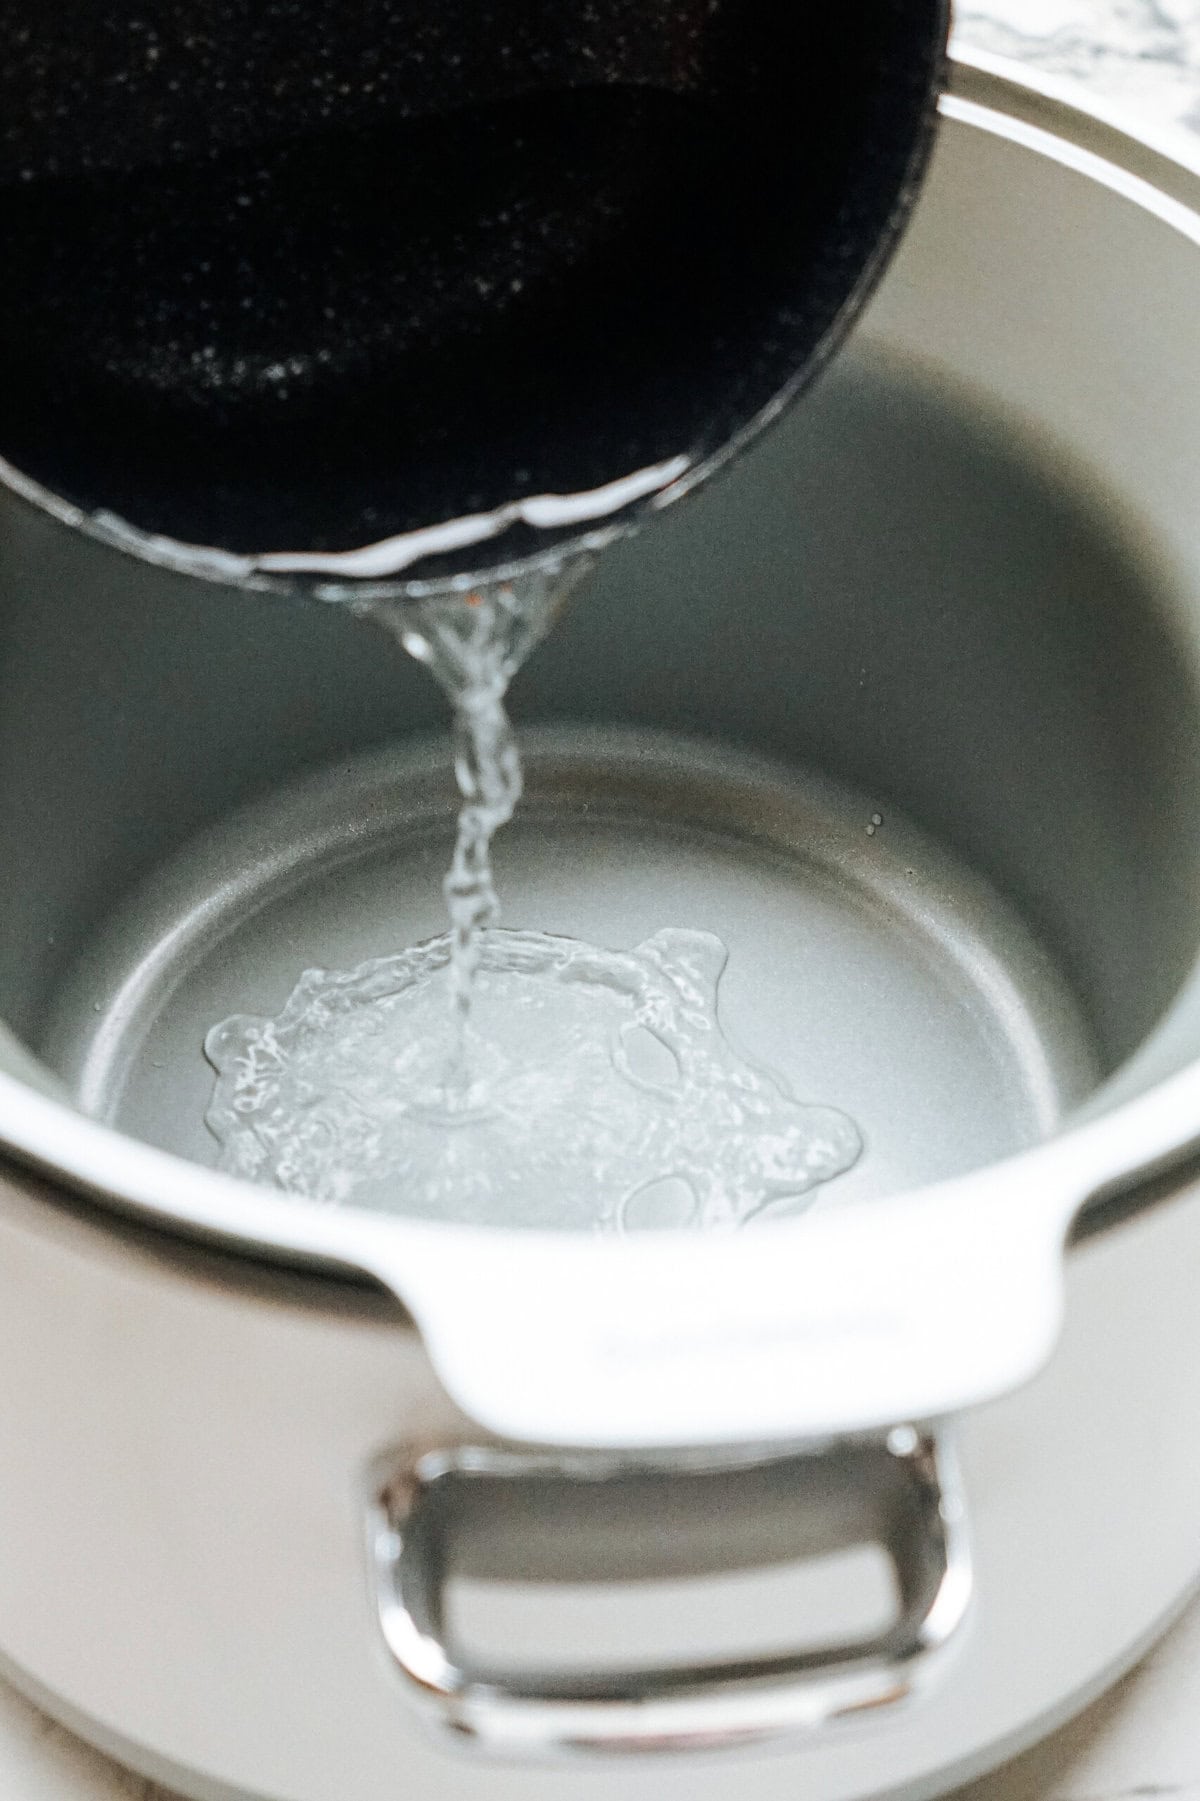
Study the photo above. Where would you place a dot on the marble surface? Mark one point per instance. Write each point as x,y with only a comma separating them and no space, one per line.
1143,54
1142,1741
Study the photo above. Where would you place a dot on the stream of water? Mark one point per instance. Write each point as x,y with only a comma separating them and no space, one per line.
511,1077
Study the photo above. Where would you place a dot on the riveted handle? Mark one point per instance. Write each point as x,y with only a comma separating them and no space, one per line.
590,1517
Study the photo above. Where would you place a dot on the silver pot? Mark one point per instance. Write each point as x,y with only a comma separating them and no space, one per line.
293,1497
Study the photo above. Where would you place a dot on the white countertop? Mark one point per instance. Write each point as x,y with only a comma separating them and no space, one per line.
1142,1741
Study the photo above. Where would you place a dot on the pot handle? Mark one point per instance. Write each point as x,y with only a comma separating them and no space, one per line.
912,1306
593,1517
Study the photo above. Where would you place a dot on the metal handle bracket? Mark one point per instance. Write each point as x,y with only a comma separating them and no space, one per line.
899,1490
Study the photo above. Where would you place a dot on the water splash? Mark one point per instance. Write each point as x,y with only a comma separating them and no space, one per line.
602,1093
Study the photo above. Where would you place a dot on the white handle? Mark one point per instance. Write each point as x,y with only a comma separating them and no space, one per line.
905,1308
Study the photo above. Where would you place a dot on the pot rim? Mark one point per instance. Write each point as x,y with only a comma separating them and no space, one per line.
471,1287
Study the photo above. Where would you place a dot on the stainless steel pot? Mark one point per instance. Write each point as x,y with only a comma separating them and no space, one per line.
247,1501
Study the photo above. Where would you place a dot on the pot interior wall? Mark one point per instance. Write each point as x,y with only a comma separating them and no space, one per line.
893,588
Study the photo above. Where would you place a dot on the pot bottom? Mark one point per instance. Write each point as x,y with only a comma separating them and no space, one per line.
867,968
